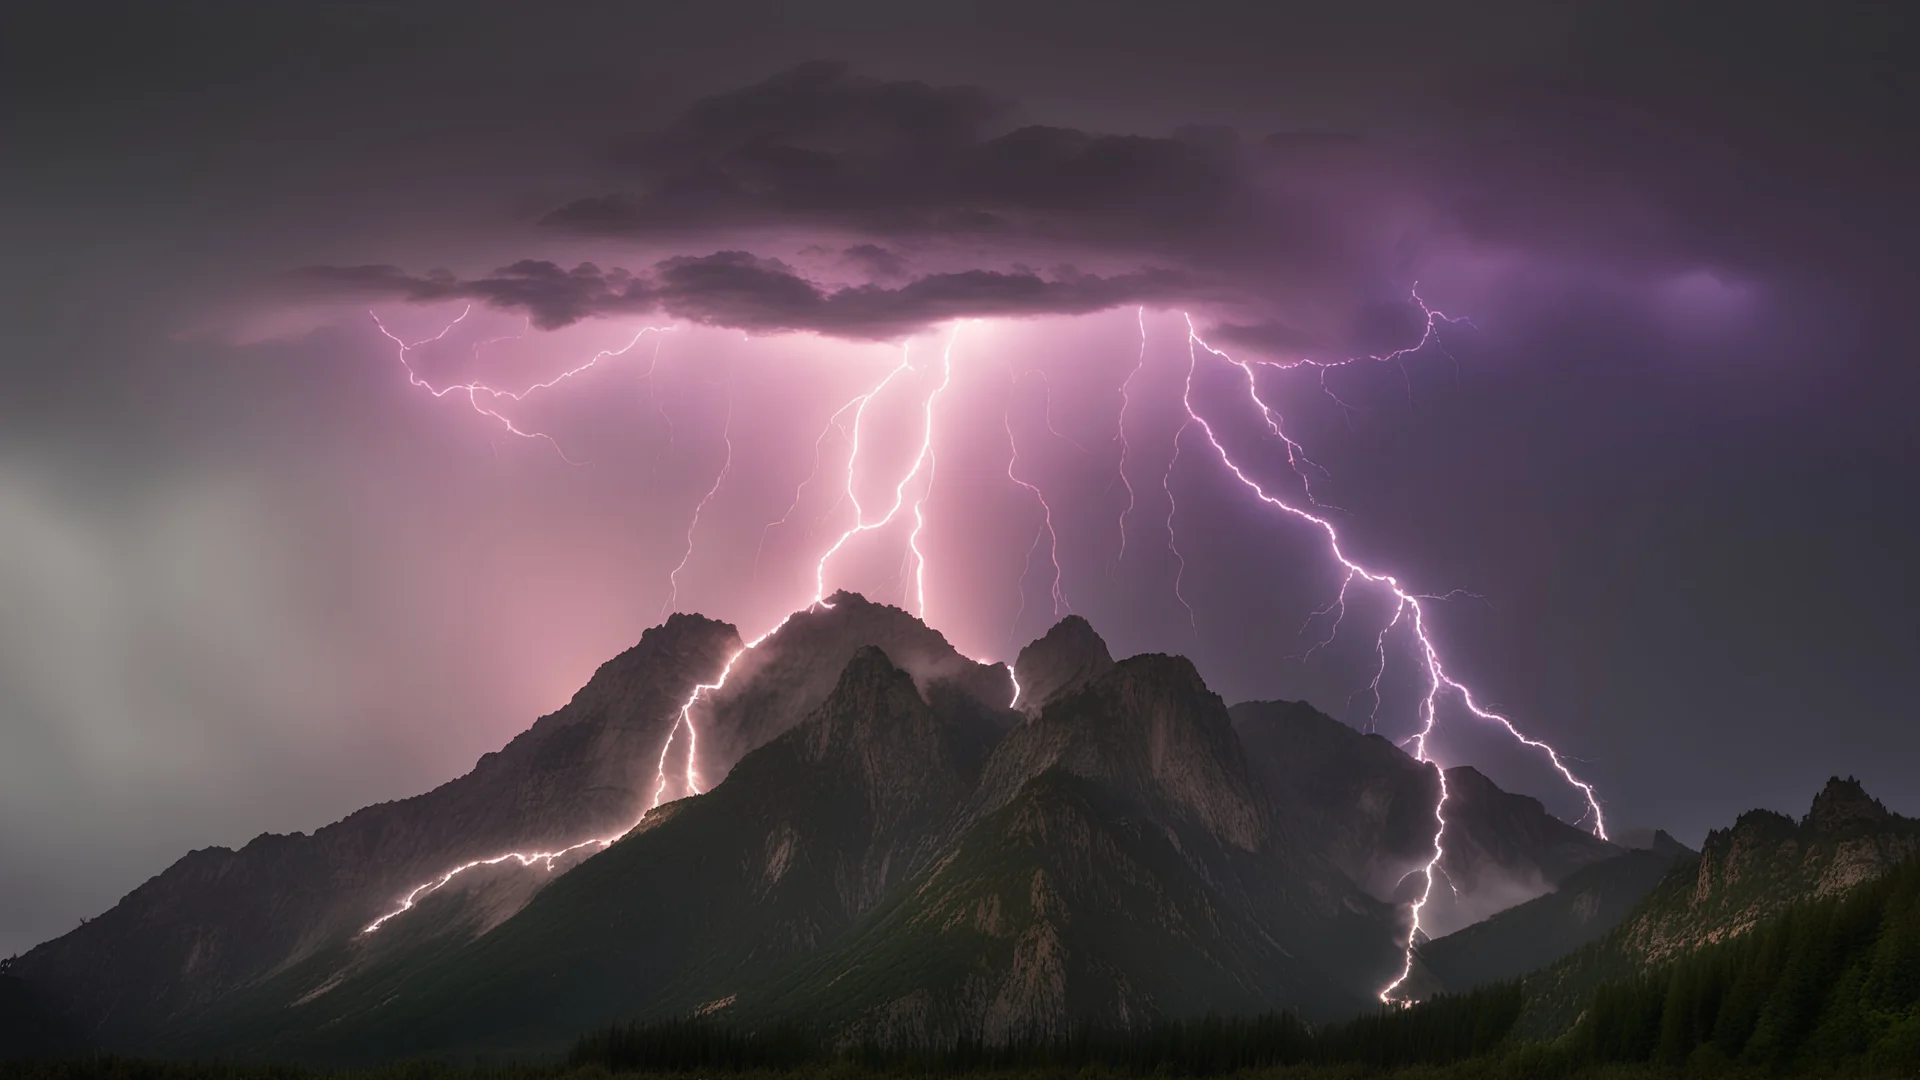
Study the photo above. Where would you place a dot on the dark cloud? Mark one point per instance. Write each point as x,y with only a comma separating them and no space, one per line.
739,290
1270,336
876,260
1290,229
820,146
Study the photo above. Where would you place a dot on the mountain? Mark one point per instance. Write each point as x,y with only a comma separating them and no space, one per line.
29,1028
1369,806
1743,877
220,919
1584,906
1117,862
871,831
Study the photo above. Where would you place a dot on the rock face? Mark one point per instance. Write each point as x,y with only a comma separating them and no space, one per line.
1743,877
1749,873
1069,657
884,847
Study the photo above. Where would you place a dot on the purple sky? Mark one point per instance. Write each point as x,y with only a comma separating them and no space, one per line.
250,578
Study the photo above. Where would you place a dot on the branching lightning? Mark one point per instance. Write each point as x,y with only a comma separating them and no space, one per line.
833,425
923,460
1120,434
473,390
917,476
1406,604
1045,531
1173,547
726,466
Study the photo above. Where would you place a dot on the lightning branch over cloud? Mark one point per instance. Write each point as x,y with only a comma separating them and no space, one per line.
473,390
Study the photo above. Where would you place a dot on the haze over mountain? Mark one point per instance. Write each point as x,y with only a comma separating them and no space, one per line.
885,844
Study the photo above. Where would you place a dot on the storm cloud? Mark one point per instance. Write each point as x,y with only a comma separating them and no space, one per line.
736,290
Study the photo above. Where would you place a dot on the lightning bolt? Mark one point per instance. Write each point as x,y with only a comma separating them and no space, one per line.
1046,523
473,390
922,460
673,578
1407,604
1173,548
833,425
524,859
684,717
919,505
1120,433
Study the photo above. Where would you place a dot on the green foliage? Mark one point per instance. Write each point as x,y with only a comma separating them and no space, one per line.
1828,981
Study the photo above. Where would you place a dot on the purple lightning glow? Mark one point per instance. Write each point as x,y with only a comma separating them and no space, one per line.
1120,433
833,425
684,717
473,390
726,466
1045,530
1173,547
918,475
1406,603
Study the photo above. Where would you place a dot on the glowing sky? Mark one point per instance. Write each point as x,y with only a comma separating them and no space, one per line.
250,578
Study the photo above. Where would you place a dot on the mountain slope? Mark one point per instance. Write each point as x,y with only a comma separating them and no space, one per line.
806,834
1588,902
220,919
1368,806
1744,876
1117,863
284,913
883,845
896,868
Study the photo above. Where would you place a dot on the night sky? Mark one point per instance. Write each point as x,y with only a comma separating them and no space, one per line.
252,579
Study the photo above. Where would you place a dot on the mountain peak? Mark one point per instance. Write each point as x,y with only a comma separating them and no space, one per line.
1843,802
1658,841
872,696
1067,657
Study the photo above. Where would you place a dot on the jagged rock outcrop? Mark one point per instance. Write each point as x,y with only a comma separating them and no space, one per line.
1067,658
773,686
1744,876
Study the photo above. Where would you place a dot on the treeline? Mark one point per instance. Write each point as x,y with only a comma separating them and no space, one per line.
1830,980
1446,1029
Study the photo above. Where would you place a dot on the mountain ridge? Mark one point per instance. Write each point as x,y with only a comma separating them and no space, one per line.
865,802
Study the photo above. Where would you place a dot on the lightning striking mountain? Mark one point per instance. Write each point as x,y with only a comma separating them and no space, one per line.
917,474
1406,603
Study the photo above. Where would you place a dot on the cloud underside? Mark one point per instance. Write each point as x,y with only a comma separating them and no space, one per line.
928,207
909,205
735,289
